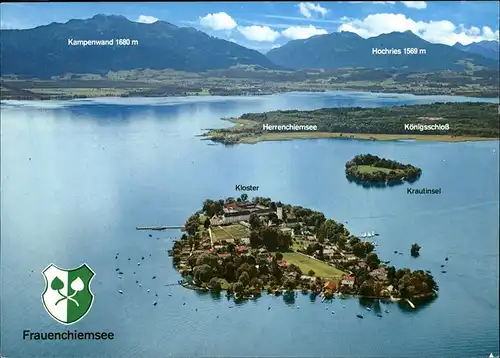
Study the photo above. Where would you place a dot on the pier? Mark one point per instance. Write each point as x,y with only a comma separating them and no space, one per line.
160,228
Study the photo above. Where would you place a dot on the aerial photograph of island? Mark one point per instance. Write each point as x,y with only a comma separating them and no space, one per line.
250,179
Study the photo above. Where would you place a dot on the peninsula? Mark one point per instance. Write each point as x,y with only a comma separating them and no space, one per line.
245,247
453,122
372,170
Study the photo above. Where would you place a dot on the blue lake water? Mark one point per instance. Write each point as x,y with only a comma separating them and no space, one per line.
78,176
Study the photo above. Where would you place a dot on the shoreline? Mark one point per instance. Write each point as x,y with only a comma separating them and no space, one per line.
118,93
276,137
249,128
241,124
281,292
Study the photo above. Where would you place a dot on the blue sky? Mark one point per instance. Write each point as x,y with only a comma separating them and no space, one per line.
265,25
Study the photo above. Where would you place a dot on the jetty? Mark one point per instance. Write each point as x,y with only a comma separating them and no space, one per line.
159,227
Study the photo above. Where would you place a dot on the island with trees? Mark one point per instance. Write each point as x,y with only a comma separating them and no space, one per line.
245,247
453,122
370,169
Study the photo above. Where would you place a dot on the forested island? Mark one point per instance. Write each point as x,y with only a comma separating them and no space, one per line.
372,170
245,247
452,122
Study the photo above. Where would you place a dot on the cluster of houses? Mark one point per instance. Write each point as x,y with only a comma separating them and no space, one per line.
241,211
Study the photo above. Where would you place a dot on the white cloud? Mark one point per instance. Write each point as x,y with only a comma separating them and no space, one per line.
415,4
307,8
302,32
218,21
410,4
443,31
259,33
145,19
373,2
297,18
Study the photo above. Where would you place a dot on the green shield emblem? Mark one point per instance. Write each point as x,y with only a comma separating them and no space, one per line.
67,297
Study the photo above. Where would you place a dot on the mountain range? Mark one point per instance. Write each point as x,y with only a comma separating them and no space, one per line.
46,51
346,49
487,49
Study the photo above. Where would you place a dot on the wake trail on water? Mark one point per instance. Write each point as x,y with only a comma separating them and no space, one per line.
429,212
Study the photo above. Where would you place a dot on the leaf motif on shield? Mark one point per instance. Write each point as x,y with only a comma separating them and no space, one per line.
67,297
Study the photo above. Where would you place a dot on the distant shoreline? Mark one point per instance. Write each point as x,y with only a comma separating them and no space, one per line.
272,137
118,93
47,90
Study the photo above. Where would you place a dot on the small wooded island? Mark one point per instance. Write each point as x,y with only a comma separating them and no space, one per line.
369,169
453,122
245,247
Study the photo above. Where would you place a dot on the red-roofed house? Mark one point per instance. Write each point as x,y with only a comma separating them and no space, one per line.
241,249
330,286
282,263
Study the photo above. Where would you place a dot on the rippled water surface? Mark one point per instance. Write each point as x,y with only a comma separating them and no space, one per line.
78,176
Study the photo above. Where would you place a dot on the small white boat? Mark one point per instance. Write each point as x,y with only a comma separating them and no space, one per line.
120,291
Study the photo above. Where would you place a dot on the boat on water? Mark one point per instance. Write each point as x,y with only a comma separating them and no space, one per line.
379,315
359,315
155,303
368,309
410,303
120,291
386,311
